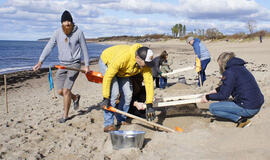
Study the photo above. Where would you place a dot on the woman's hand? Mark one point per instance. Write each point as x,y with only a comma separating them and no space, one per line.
212,92
203,99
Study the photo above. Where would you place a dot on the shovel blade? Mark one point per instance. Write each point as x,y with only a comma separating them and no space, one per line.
95,77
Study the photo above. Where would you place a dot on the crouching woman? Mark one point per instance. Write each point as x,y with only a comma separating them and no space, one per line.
239,83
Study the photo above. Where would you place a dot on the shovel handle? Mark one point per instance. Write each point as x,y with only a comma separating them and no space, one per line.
112,109
69,68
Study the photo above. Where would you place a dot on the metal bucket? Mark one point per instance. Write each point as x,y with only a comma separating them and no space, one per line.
127,139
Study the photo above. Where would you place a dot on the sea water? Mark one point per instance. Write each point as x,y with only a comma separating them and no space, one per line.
23,55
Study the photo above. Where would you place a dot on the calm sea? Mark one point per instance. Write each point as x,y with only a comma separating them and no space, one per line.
23,55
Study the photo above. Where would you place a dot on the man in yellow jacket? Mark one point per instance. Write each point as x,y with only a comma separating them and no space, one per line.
117,64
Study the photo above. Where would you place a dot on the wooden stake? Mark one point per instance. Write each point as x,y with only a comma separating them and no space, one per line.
5,81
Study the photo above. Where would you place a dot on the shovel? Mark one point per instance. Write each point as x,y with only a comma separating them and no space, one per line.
112,109
91,76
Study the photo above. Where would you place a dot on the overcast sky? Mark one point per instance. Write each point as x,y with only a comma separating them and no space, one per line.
34,19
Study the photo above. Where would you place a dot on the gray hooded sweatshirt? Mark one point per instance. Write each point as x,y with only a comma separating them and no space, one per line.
69,52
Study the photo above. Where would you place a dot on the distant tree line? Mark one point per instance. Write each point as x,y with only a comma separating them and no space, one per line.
178,30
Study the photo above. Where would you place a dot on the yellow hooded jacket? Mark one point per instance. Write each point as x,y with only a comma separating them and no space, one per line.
121,62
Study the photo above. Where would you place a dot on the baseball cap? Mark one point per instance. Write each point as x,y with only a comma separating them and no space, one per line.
146,54
189,39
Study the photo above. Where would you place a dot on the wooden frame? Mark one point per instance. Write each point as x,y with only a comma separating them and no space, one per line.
174,103
165,99
178,71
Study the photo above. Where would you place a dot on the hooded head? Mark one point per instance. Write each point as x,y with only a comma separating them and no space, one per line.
67,22
146,55
66,16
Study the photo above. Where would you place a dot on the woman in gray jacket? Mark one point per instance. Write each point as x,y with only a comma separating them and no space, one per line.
156,70
165,68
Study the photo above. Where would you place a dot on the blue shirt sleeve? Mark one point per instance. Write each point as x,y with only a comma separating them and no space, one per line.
197,49
225,89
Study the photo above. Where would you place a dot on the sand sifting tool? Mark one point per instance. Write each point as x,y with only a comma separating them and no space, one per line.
175,101
91,76
183,97
142,106
112,109
178,71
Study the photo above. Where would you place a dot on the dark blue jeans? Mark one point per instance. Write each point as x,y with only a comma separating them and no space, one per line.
204,64
122,86
163,82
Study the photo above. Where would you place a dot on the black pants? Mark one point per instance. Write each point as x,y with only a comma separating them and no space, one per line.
139,97
157,81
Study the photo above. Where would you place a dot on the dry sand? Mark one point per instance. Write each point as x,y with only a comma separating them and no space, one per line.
30,130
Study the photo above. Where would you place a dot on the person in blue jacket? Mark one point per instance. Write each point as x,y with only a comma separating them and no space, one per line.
239,83
203,54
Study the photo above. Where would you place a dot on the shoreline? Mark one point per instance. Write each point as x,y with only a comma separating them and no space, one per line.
21,76
14,70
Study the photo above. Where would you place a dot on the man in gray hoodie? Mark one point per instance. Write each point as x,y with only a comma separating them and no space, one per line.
71,44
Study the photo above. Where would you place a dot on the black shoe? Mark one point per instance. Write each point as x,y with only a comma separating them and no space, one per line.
243,122
76,102
110,128
62,120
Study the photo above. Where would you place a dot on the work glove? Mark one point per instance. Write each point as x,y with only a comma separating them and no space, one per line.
150,112
198,65
104,103
160,74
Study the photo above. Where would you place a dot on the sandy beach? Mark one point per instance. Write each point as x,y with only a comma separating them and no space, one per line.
30,130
